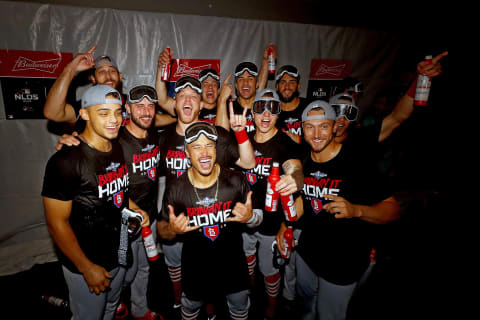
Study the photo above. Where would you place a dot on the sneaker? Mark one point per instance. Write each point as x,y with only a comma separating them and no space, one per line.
150,315
177,305
122,311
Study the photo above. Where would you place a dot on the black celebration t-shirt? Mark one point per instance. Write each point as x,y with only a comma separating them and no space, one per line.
208,115
279,148
338,249
213,261
97,183
143,159
174,159
292,120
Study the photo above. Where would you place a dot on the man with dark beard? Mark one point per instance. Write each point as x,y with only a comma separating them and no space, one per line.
288,85
105,72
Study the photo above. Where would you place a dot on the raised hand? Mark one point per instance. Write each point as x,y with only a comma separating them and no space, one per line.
242,211
237,121
179,224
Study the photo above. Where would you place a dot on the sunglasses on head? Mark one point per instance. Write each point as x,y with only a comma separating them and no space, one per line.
136,94
350,112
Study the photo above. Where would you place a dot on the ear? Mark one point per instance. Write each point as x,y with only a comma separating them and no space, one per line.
92,79
127,107
84,114
120,76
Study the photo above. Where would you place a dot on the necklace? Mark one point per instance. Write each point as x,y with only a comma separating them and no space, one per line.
206,202
90,145
86,141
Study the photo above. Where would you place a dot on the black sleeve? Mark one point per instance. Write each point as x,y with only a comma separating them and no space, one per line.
60,179
227,148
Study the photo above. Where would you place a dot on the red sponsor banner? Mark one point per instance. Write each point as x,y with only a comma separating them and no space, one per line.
330,69
33,64
191,67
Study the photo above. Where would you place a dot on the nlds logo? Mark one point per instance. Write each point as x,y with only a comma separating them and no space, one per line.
25,95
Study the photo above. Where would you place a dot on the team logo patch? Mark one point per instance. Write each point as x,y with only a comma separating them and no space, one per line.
251,178
316,205
180,172
118,199
211,232
152,173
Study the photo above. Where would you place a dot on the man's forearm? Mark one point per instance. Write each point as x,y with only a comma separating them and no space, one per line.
56,107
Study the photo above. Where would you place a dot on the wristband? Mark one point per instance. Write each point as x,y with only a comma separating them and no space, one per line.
241,136
256,219
411,91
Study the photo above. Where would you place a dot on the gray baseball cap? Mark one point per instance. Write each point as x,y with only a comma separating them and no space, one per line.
325,106
105,60
97,95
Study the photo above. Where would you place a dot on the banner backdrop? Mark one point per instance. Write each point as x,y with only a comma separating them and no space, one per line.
135,39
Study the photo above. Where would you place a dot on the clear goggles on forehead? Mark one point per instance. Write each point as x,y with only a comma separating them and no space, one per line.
209,74
239,73
350,112
195,131
135,95
270,104
180,85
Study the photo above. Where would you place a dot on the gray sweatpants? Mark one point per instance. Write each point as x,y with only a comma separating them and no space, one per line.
321,299
138,274
86,305
238,305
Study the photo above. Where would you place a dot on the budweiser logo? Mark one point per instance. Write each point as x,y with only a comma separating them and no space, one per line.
49,65
185,70
333,71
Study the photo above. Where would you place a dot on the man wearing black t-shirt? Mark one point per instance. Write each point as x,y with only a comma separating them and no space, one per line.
208,206
343,198
175,163
270,145
84,192
287,84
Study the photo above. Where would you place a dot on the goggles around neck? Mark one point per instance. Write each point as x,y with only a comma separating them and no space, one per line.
194,131
349,111
136,94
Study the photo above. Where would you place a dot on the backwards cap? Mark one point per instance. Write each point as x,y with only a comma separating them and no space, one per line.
325,106
97,95
105,60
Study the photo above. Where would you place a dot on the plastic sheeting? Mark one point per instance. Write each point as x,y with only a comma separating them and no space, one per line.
135,39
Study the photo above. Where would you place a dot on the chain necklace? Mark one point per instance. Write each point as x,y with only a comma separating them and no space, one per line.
196,192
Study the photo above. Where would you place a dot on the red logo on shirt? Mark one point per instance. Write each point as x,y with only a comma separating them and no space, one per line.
118,199
211,232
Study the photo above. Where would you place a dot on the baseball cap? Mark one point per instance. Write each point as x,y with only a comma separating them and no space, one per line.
325,106
189,81
105,60
195,130
246,66
209,72
100,94
288,69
